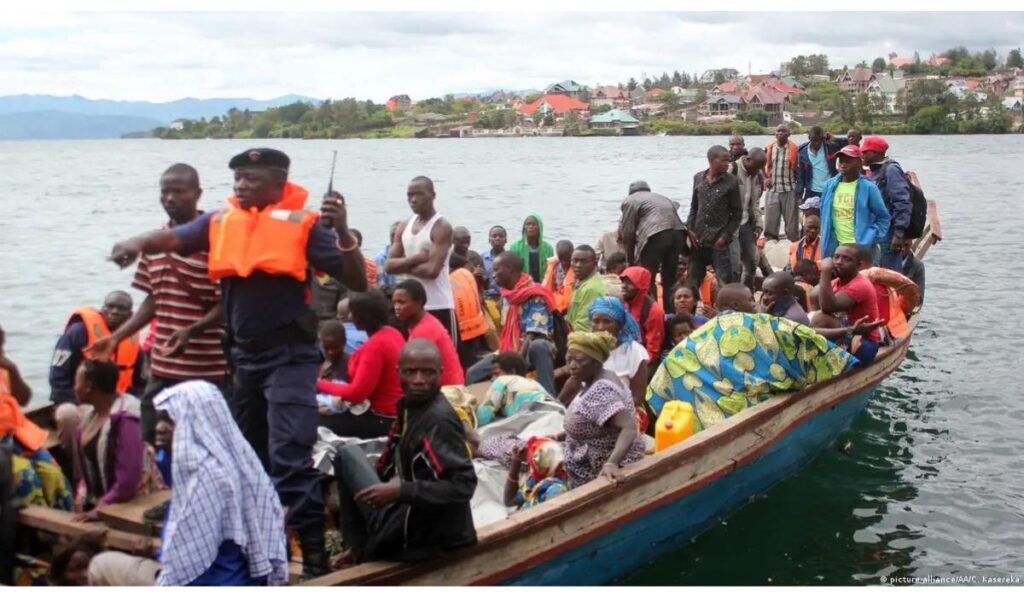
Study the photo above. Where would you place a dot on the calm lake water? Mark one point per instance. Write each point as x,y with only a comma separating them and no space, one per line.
933,482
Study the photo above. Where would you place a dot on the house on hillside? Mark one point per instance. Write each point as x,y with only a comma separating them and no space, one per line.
177,125
753,80
649,109
767,100
855,79
569,88
901,61
722,105
555,104
1016,87
653,93
1013,104
622,120
792,82
937,60
888,89
398,102
728,88
961,89
609,95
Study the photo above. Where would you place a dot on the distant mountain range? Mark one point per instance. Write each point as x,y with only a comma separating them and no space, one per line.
76,117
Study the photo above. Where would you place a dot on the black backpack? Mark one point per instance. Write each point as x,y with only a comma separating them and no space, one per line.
918,202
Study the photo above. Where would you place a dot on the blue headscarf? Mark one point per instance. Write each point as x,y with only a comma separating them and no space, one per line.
629,331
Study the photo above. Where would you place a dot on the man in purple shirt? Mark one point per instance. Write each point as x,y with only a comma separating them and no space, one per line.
272,330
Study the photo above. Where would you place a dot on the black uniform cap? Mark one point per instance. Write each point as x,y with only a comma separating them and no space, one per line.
261,157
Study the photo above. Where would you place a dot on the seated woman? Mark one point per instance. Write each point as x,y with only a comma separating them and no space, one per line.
739,358
628,360
110,461
510,389
685,299
600,433
410,300
545,473
372,374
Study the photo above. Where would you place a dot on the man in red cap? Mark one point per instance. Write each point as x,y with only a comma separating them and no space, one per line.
888,175
852,210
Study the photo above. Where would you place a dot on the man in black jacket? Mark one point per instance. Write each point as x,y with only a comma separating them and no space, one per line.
416,504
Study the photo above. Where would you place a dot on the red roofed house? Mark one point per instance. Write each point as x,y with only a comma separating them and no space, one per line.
855,79
901,61
609,95
653,93
937,60
399,102
556,104
782,88
760,79
731,87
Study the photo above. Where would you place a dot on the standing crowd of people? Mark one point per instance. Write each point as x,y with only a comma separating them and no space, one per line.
266,321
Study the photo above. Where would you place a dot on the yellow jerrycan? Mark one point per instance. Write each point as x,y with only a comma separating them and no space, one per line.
675,423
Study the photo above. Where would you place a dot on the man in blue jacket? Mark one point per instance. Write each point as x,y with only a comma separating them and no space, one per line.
852,210
889,177
815,165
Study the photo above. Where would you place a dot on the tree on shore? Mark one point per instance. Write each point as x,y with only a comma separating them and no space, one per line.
1014,59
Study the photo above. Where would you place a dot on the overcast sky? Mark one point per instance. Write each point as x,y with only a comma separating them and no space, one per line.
165,56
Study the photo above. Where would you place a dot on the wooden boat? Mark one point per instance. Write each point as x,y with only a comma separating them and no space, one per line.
603,531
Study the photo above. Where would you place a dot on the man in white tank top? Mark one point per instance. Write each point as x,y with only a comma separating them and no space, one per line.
420,250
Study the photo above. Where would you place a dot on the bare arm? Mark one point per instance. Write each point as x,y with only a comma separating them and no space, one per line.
19,389
512,483
126,252
437,254
397,262
623,421
570,389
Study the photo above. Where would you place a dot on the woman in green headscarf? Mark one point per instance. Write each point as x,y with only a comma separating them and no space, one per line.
532,248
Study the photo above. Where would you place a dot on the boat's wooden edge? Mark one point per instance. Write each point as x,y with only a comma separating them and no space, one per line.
761,419
61,523
130,516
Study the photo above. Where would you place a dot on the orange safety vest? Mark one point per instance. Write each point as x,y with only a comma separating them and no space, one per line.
13,421
795,257
272,240
468,312
563,295
707,289
127,351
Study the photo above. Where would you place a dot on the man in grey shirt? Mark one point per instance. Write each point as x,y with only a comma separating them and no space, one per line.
748,171
652,237
777,298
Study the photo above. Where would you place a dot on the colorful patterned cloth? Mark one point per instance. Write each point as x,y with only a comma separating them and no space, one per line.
737,359
507,394
546,477
39,479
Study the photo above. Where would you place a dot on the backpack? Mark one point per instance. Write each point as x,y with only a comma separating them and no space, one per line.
918,202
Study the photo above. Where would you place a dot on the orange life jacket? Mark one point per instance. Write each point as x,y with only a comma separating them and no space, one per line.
563,294
127,351
468,312
272,240
13,421
795,257
707,289
904,296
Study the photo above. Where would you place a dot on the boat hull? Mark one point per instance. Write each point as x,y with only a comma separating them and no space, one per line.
623,549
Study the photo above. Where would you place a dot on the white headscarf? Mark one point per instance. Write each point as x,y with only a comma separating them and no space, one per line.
221,492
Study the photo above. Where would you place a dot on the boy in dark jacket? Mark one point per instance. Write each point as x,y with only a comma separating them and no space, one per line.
416,504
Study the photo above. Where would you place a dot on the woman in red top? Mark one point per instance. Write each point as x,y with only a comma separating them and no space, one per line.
409,299
372,373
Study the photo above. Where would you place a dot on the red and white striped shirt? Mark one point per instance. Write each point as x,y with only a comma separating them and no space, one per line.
184,294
